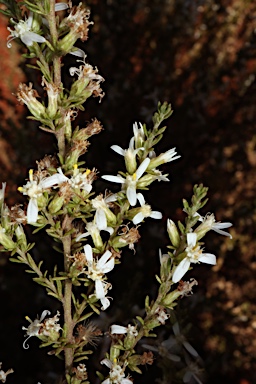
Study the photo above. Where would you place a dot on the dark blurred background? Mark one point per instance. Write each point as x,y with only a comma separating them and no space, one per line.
199,55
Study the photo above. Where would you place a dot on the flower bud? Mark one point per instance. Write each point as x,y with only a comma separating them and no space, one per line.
114,353
20,236
52,93
146,180
173,233
56,204
170,298
27,95
6,240
130,161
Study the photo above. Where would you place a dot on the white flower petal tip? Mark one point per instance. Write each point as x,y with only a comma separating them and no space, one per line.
118,329
181,270
61,7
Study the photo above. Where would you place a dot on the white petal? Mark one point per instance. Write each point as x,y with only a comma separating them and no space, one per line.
57,178
78,52
221,225
118,329
107,362
103,264
207,258
114,179
191,239
99,289
110,230
138,218
88,253
142,168
44,314
176,329
60,7
180,270
118,149
105,303
156,215
32,211
79,237
107,381
126,381
224,233
29,20
131,195
187,377
101,219
141,199
28,38
190,349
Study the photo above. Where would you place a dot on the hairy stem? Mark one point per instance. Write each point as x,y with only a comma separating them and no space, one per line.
67,300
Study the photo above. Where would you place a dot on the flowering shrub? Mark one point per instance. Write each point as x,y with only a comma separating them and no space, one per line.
92,228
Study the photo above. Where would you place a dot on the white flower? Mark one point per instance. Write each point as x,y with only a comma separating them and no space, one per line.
163,158
96,269
130,182
34,190
145,211
79,180
116,374
103,213
22,30
194,255
209,223
34,327
94,228
129,155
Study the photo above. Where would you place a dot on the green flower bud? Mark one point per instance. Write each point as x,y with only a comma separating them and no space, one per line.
6,240
170,298
114,352
27,95
56,204
173,233
146,180
21,237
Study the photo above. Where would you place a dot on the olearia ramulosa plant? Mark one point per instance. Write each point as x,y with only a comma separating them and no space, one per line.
62,202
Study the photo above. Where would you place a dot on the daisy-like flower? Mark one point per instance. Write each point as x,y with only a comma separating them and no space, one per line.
96,269
34,190
129,155
145,211
130,182
4,374
209,223
22,30
194,254
103,213
94,228
116,374
34,327
79,180
163,158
